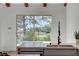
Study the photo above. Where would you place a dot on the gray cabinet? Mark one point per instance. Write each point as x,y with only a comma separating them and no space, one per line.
48,51
60,52
30,50
78,52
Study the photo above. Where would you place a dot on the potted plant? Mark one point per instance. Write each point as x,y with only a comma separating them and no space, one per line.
3,54
77,37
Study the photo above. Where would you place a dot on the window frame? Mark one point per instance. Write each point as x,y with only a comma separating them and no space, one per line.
33,15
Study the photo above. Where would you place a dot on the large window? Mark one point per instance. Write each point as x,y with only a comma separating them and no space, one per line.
33,28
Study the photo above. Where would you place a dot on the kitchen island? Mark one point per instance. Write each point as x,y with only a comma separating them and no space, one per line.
53,50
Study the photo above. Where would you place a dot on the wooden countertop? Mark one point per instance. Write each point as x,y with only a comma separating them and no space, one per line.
72,47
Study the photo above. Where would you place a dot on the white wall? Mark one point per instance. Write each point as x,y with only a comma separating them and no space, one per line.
72,21
8,19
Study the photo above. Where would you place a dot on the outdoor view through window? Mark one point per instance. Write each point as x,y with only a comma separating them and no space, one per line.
33,28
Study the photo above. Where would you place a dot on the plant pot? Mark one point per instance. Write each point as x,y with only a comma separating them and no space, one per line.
3,54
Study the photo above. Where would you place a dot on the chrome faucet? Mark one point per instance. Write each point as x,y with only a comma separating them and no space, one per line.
59,33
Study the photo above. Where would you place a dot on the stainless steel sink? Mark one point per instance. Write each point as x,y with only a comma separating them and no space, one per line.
59,46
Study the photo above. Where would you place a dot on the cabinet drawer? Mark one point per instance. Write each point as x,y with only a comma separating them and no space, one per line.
30,49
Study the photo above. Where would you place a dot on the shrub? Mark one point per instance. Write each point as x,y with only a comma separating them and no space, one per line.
77,34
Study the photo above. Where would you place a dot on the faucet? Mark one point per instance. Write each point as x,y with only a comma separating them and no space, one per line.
59,40
59,33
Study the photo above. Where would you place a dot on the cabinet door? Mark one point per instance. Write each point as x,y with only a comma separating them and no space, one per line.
78,52
60,52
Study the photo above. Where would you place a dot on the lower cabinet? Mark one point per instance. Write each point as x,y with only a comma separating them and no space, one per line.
50,51
30,51
78,52
60,52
